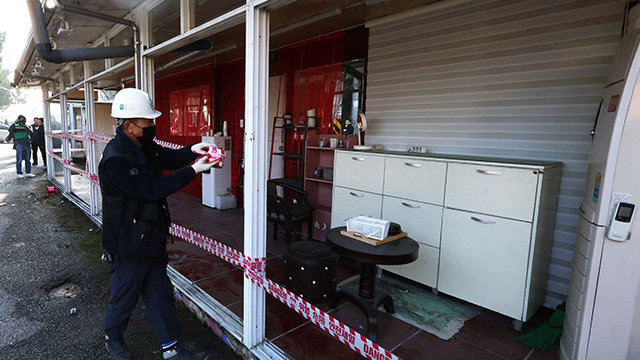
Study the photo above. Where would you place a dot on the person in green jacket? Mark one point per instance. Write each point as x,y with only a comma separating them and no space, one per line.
20,133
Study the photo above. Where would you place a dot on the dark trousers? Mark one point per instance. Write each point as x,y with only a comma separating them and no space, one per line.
131,278
34,151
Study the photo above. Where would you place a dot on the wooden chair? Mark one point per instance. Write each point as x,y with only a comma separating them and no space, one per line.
291,209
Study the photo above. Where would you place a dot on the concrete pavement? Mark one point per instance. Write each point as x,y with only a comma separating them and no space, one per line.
46,242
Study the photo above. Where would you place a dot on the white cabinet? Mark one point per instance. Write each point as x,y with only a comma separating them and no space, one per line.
483,260
484,226
351,202
419,219
423,222
415,179
424,270
494,190
365,172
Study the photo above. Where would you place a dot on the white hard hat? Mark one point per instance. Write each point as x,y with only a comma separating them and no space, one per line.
133,103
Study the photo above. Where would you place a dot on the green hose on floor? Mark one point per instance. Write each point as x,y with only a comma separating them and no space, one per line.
544,337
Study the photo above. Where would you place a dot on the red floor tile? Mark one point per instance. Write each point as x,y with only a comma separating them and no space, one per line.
488,336
200,268
494,332
226,288
311,342
426,346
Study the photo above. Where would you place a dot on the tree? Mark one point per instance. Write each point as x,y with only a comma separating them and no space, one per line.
8,95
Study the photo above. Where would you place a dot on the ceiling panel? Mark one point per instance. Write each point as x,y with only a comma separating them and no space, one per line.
303,20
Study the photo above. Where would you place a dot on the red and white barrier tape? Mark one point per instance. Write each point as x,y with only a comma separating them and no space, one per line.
221,250
254,269
98,137
104,138
93,178
54,134
58,150
168,144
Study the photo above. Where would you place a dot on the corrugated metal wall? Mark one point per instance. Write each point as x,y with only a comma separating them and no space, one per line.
508,78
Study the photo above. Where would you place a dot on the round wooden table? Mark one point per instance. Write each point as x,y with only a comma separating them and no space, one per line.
401,251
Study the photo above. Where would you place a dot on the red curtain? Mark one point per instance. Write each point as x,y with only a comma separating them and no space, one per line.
177,96
318,88
230,97
314,81
190,111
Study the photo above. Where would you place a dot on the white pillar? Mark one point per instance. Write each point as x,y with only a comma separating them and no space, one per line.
187,15
90,120
72,75
255,164
66,153
147,64
46,114
108,63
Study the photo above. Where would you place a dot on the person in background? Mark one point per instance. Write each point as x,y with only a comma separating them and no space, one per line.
136,221
20,133
37,141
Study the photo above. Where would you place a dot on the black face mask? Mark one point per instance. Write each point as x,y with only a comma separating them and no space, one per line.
148,134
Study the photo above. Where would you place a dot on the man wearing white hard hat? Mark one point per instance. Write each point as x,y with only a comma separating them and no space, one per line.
136,221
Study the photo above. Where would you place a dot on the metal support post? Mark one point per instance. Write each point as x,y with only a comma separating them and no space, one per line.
46,114
90,120
66,153
255,179
187,15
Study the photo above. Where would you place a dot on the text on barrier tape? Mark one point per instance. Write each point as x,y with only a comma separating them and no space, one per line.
254,270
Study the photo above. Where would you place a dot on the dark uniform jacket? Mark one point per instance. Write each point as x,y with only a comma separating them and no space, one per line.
135,215
20,133
38,135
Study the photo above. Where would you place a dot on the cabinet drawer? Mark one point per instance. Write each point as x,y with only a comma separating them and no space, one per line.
424,270
418,180
420,220
484,260
359,171
349,202
492,190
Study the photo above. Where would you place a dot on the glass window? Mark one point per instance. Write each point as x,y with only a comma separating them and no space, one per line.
97,66
80,185
123,38
66,80
78,70
164,21
352,91
211,9
56,127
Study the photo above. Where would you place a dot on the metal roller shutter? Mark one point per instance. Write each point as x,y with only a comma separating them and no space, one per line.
508,78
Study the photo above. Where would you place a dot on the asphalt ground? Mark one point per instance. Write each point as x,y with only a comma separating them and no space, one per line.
46,242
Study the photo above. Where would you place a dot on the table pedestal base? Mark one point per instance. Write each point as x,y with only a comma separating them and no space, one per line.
369,306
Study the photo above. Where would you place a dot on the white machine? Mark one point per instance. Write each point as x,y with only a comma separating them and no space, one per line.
218,180
621,222
603,307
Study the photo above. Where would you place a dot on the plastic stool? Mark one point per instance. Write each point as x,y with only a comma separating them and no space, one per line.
310,270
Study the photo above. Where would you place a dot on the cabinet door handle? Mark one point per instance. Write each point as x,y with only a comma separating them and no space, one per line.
358,158
482,221
411,206
413,165
355,194
488,172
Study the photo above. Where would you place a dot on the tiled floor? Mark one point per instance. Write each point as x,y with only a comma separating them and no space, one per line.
486,336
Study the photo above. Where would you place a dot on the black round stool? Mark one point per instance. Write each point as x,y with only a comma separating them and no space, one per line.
310,270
